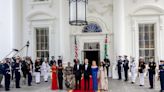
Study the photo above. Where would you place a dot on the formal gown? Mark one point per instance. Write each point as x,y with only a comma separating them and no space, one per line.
94,71
103,78
54,78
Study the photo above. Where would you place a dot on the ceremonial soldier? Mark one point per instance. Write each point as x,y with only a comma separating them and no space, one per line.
151,69
1,72
37,70
52,60
119,65
7,74
69,81
141,70
126,67
161,74
60,60
87,74
107,65
133,70
17,72
46,69
24,68
29,70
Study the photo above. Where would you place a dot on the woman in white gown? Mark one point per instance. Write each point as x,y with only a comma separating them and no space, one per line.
103,77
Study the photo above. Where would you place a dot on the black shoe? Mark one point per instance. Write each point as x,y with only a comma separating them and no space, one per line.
141,85
18,87
132,82
150,87
7,89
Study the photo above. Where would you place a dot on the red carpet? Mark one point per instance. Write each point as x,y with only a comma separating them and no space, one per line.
82,87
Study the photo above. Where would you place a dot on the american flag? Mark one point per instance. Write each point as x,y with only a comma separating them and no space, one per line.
76,49
105,47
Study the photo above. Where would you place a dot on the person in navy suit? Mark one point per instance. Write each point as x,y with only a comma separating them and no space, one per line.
87,74
78,73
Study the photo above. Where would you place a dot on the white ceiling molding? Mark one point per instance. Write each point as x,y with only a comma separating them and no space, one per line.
148,10
39,15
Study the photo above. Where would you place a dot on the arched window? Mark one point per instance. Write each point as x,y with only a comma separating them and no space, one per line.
92,27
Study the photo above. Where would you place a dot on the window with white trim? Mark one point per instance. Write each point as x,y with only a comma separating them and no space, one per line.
146,41
42,42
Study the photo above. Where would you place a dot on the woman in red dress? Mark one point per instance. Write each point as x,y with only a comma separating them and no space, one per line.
54,77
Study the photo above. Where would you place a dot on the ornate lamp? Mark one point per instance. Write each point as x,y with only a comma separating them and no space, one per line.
77,12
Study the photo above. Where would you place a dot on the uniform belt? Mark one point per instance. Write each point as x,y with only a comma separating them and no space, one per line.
17,68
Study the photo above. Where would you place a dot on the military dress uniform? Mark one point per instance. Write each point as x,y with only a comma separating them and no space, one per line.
107,65
7,74
119,65
29,72
161,76
133,71
141,71
37,72
126,68
152,67
17,74
69,79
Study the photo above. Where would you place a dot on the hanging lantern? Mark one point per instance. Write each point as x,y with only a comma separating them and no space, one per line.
77,12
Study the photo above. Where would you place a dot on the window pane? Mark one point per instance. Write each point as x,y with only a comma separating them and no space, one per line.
42,42
146,41
141,44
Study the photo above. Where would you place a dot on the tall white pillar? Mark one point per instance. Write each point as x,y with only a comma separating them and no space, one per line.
119,30
16,13
119,27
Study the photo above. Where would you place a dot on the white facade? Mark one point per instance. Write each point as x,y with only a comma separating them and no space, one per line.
117,18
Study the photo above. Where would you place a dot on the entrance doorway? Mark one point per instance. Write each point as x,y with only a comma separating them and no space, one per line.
92,52
92,55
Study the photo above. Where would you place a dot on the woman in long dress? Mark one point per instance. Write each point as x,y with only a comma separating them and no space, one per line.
103,77
94,70
54,77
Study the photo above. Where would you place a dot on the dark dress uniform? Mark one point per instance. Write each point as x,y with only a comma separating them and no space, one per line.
107,65
7,76
161,76
17,74
126,68
24,68
152,66
1,73
29,72
119,63
60,76
59,61
87,73
77,72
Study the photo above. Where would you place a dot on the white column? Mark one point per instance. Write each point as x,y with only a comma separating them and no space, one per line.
118,29
16,13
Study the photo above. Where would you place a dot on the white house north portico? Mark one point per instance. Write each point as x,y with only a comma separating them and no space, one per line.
133,28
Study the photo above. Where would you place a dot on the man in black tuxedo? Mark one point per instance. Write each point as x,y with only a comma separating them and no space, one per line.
77,72
87,73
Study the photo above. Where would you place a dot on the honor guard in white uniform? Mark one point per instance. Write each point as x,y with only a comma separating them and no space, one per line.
37,71
133,70
141,70
45,69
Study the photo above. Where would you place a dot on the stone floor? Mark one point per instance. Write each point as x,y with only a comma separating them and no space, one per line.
114,86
